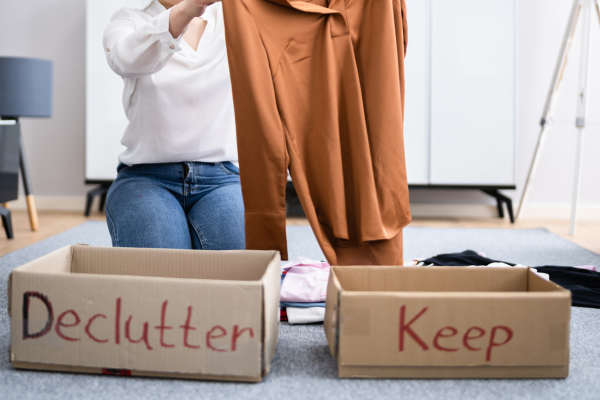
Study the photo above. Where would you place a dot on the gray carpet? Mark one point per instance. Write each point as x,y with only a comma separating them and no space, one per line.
302,367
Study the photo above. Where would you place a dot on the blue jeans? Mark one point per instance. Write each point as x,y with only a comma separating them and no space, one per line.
187,205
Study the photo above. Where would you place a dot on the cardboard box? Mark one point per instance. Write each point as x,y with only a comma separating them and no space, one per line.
153,312
447,322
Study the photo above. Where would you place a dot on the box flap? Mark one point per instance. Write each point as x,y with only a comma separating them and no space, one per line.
271,285
535,283
58,261
330,324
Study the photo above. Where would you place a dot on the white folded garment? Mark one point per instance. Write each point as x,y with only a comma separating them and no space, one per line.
298,315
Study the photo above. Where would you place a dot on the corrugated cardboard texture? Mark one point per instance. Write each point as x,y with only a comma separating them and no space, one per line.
68,368
330,324
59,261
535,284
454,372
368,318
229,265
432,279
271,283
209,320
448,322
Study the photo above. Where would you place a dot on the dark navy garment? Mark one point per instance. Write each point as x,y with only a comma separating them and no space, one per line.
583,284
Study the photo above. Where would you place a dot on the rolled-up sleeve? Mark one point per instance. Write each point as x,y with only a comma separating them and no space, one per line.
135,51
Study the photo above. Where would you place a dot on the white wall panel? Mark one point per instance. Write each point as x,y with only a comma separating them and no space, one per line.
473,92
38,28
105,118
416,109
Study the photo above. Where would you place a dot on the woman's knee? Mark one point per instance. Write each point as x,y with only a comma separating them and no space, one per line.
217,220
143,214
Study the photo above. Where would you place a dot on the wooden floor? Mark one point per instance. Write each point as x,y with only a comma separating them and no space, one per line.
53,222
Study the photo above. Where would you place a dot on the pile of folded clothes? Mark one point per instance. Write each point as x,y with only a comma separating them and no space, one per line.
303,291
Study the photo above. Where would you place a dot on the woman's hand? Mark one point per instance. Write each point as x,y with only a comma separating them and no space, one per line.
195,8
183,13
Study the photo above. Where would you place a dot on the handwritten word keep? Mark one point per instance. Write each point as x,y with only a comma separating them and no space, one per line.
469,338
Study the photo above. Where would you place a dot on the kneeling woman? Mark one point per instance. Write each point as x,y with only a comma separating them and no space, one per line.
178,183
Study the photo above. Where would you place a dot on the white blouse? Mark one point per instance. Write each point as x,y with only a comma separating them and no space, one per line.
178,101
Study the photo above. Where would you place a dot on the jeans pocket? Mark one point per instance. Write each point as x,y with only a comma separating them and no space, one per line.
229,168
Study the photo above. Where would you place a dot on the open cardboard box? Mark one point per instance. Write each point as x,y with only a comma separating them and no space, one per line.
447,322
153,312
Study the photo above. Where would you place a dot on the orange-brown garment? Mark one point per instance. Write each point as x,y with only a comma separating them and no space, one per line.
318,87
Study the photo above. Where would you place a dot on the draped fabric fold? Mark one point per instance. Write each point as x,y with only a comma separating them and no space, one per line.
318,88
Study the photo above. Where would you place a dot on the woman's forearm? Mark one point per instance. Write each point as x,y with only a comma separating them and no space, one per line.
138,49
134,50
182,14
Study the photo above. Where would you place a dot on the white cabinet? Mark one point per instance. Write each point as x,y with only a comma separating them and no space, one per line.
460,93
416,108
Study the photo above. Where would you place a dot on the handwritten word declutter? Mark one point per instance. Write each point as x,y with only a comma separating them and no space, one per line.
217,338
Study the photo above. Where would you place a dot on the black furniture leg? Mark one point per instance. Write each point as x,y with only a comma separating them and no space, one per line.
7,221
500,206
102,201
293,208
501,199
101,191
509,207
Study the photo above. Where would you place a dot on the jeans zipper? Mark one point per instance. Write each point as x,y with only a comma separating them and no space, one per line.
186,171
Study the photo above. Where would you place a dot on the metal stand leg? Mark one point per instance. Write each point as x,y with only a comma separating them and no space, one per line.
582,94
7,221
551,99
583,7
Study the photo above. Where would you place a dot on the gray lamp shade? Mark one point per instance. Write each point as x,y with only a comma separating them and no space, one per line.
25,87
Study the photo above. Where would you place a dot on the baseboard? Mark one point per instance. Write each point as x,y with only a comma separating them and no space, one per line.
77,203
429,210
560,211
58,203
